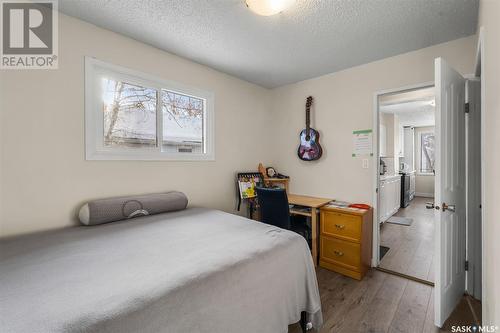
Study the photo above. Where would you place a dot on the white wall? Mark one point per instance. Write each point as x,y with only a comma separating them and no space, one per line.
387,119
343,102
489,18
45,177
397,144
424,184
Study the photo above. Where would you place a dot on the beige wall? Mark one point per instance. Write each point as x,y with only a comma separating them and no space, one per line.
45,176
489,18
424,184
343,102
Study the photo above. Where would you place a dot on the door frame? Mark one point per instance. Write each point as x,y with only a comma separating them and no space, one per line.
375,157
479,72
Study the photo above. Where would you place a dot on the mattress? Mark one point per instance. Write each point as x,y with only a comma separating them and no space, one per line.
197,270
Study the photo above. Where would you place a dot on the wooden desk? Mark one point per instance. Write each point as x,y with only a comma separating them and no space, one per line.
313,203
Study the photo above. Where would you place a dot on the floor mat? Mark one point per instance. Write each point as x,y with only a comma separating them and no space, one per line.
383,250
400,220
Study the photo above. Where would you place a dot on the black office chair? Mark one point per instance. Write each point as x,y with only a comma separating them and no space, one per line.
274,210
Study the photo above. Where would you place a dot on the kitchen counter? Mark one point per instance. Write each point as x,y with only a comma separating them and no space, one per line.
389,177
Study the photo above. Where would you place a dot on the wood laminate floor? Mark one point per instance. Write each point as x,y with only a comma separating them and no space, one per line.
411,248
382,303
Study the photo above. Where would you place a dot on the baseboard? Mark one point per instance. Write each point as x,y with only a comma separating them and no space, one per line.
425,195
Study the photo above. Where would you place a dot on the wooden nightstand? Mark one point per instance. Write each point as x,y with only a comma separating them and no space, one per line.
346,240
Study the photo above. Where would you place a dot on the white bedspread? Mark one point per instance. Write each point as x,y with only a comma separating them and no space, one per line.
196,270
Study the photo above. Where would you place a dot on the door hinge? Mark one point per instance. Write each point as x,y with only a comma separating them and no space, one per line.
467,107
466,265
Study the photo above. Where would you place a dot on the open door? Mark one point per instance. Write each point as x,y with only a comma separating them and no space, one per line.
450,212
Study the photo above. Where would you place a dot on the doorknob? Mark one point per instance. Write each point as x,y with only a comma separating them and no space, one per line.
430,205
450,208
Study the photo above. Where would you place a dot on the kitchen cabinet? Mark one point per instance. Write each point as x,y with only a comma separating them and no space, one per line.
389,196
400,148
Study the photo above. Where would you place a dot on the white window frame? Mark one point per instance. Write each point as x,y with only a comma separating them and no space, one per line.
419,154
94,117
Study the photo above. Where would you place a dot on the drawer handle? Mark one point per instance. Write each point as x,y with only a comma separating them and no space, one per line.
339,226
338,253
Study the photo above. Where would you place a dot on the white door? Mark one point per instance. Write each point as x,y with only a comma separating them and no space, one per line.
449,190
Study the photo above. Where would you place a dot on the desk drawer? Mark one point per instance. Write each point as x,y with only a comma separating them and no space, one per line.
337,251
341,225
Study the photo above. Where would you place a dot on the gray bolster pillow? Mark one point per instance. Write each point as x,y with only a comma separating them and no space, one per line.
122,208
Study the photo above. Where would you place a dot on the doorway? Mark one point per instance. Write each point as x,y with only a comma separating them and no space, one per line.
457,167
449,248
406,182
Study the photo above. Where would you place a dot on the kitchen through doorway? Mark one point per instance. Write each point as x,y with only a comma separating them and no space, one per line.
406,182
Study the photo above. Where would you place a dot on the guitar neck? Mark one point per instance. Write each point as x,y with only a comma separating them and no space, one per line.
308,119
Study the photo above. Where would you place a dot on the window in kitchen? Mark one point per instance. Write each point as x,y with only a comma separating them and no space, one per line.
427,153
133,116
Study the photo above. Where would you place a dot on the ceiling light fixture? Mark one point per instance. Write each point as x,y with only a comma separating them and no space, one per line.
268,7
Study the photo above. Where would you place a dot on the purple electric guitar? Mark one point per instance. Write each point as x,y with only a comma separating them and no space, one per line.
309,149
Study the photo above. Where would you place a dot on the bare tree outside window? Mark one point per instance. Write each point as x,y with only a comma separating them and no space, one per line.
129,115
427,152
183,118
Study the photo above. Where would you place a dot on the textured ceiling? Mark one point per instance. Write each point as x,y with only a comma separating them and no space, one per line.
417,119
311,38
414,113
413,108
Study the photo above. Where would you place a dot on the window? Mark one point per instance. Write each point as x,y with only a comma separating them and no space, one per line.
133,116
427,153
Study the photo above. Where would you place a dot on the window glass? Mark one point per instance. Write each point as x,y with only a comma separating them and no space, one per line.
427,153
129,115
183,118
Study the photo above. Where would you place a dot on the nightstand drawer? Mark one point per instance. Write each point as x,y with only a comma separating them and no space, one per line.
337,251
341,225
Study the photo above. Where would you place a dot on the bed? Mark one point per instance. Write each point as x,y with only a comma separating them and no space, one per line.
196,270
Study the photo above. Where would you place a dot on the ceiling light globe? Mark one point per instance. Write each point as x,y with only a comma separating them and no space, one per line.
268,7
